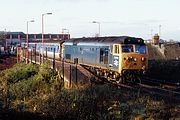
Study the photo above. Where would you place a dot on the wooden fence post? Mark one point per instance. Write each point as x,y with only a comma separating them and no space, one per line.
31,55
35,54
46,53
76,62
54,58
63,69
70,73
39,57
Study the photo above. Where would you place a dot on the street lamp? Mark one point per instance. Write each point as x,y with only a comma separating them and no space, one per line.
99,26
27,40
43,34
160,31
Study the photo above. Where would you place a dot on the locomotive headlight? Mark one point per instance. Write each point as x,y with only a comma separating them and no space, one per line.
143,59
135,59
143,67
130,58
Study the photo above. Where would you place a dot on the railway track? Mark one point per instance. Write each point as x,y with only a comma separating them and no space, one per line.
168,94
162,88
170,84
166,91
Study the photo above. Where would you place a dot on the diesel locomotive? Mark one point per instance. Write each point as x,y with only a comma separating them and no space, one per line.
116,58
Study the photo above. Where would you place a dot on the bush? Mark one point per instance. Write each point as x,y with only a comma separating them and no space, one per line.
164,69
20,71
41,83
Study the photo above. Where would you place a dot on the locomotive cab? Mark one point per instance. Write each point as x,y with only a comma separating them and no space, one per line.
130,60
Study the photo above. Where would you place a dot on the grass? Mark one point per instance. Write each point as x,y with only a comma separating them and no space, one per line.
39,91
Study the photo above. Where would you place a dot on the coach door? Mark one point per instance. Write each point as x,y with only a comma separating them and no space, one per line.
104,55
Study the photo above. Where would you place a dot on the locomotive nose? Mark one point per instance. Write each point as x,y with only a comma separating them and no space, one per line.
131,58
133,62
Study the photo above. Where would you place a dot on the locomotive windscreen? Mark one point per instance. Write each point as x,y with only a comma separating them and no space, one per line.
140,49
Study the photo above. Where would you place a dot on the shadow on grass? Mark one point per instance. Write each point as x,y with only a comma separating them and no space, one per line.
16,115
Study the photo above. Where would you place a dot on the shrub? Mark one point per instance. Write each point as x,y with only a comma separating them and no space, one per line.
164,69
20,71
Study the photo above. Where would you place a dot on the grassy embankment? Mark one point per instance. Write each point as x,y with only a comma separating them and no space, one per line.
36,92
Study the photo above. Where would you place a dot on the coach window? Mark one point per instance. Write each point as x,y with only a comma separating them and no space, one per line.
116,49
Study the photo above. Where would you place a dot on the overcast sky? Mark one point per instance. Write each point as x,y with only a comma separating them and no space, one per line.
117,17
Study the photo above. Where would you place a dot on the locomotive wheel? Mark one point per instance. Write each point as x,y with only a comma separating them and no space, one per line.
97,73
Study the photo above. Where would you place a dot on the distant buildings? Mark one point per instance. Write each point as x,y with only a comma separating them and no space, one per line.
9,39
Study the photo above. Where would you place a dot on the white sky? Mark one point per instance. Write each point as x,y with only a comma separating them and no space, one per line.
117,17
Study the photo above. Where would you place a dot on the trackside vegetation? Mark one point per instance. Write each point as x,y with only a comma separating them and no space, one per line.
164,70
29,91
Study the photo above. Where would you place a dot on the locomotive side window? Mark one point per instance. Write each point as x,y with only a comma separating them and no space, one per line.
127,49
101,54
104,55
106,50
116,49
140,49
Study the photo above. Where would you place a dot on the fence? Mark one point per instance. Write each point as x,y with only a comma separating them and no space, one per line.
68,71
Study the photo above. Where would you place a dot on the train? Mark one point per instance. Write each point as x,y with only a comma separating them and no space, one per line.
120,58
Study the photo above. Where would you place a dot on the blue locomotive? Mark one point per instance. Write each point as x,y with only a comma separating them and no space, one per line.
118,58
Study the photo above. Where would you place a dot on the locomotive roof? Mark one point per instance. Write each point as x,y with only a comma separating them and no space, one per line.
108,40
46,41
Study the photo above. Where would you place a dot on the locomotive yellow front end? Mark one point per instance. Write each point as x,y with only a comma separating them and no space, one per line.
134,57
133,61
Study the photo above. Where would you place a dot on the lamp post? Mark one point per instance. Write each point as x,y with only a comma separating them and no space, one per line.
43,34
99,26
27,40
160,31
5,39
